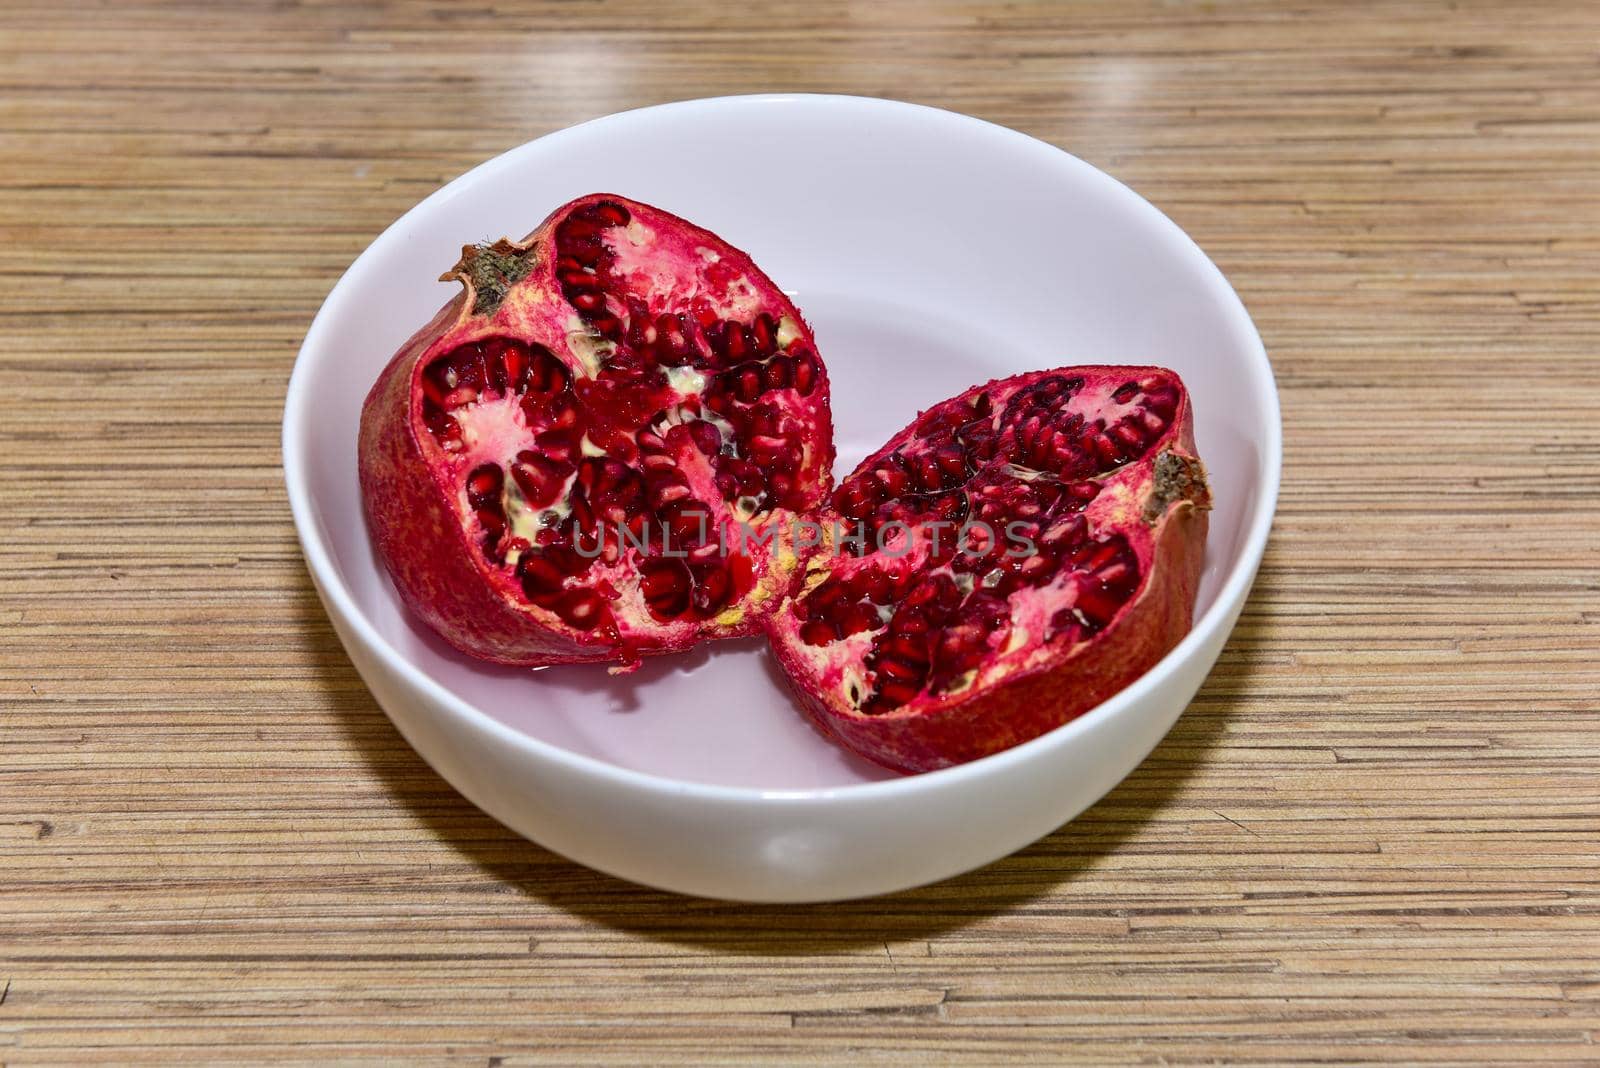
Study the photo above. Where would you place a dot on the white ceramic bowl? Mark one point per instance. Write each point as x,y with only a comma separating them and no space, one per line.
930,251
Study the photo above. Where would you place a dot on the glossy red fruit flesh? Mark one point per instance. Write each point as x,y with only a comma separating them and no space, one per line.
577,458
1010,560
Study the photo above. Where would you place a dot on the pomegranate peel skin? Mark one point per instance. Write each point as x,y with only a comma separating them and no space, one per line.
596,377
936,657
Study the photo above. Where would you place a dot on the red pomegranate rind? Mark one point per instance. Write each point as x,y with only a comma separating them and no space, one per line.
919,653
578,458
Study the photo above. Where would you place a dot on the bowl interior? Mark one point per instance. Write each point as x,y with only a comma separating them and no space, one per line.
929,251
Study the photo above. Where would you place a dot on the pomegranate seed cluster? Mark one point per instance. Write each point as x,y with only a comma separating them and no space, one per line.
627,389
991,497
613,445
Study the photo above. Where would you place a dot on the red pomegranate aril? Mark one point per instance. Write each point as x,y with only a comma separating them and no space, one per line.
892,479
1129,437
712,588
464,367
930,473
446,429
546,375
924,593
551,412
602,475
769,448
668,487
782,485
687,522
1068,530
582,608
483,484
805,373
715,333
778,373
677,438
538,478
480,513
539,575
904,646
1034,569
877,586
764,335
558,446
611,213
672,337
819,632
728,486
1117,573
858,618
952,464
562,555
1162,400
665,585
895,692
496,380
579,235
1084,575
706,437
493,523
901,670
855,499
461,395
745,384
1097,604
830,594
959,650
745,474
1094,556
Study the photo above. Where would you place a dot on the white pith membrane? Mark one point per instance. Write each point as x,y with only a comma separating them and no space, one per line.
1074,468
607,431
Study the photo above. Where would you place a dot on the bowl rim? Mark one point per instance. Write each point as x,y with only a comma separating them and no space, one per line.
338,599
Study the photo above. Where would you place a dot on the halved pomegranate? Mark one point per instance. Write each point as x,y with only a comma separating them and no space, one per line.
577,458
1008,561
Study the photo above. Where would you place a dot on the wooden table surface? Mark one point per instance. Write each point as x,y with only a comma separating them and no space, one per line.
1374,836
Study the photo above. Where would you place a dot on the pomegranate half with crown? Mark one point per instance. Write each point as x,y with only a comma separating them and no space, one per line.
1004,564
577,458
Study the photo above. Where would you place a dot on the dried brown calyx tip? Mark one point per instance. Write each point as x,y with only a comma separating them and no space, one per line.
1177,478
490,270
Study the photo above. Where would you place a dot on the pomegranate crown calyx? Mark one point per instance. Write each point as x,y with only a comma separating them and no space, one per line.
488,271
1177,478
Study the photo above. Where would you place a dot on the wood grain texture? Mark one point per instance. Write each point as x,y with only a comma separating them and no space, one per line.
1374,836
